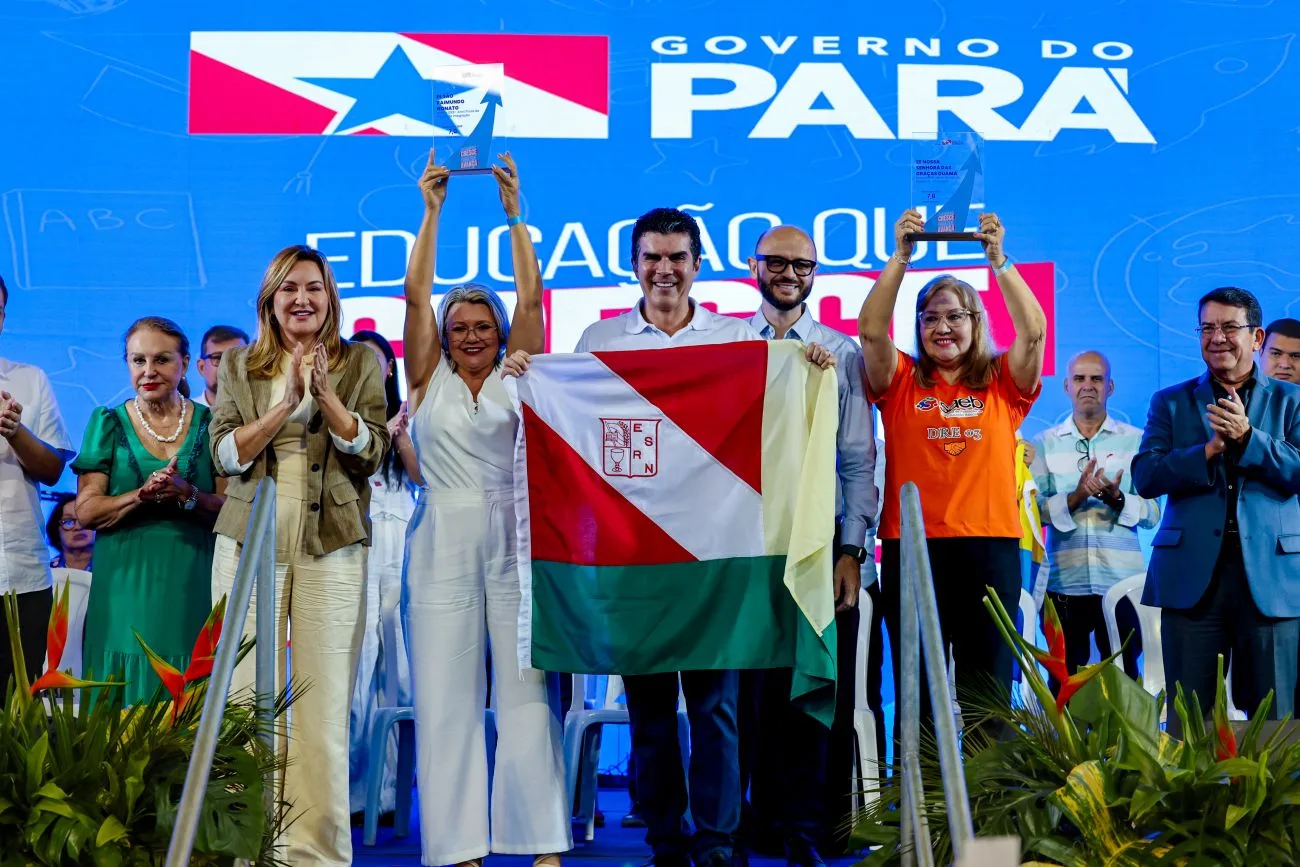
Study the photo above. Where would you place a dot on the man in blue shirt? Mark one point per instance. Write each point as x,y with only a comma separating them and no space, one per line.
787,757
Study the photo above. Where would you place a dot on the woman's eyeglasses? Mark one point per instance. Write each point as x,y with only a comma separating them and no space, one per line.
69,523
954,318
482,331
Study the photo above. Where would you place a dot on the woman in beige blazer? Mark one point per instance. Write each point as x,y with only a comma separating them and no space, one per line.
308,409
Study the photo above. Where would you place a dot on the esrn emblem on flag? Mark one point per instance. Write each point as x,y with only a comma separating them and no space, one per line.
630,446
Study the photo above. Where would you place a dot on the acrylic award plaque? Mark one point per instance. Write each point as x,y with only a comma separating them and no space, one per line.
947,176
466,115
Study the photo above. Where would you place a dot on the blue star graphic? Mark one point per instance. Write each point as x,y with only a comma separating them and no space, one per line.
397,88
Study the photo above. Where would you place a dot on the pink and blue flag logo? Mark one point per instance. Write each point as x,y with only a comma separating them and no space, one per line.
338,83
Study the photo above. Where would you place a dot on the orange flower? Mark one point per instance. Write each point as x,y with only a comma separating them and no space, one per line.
173,681
56,640
205,646
56,635
1052,659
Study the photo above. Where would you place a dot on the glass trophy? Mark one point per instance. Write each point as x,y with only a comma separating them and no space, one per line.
947,176
466,115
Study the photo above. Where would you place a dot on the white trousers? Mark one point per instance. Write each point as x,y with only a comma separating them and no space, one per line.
463,592
323,599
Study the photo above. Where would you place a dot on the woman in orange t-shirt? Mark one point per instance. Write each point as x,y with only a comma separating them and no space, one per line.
950,416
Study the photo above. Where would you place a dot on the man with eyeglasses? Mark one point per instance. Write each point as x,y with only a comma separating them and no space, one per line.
217,340
34,447
786,756
1085,491
1224,448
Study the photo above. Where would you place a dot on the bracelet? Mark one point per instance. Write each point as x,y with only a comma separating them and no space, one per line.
900,260
1004,267
515,220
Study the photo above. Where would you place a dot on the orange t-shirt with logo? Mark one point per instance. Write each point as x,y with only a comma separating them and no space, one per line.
958,444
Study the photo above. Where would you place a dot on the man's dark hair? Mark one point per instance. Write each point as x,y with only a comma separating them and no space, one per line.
666,221
1231,296
5,290
1285,327
221,334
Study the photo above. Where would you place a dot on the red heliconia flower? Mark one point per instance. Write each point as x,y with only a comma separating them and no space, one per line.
1052,659
205,646
1226,748
56,635
64,680
56,640
173,681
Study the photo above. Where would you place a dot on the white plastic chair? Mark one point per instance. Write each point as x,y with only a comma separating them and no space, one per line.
586,712
78,581
1029,632
387,716
866,767
1153,661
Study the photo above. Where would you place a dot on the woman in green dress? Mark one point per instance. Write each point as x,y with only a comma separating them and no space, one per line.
146,483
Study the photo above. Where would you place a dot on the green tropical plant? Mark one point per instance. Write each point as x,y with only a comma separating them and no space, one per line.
1087,777
98,783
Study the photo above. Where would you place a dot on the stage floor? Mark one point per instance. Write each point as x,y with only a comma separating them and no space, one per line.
613,846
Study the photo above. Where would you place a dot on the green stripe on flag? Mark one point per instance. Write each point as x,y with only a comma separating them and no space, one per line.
710,614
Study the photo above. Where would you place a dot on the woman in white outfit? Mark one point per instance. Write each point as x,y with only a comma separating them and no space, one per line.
305,407
461,579
384,669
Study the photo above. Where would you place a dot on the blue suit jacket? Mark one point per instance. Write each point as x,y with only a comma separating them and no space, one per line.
1171,462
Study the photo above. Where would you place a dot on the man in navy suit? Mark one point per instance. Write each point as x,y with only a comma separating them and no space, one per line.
1225,563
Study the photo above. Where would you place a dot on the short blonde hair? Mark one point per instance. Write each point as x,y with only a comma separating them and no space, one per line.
978,365
264,355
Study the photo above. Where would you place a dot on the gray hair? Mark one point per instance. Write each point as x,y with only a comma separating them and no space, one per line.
474,293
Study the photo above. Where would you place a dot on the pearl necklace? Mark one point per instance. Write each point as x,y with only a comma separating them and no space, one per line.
180,425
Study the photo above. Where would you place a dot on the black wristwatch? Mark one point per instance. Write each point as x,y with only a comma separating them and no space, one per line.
857,552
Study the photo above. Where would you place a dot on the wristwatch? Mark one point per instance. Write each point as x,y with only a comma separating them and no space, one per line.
192,500
857,552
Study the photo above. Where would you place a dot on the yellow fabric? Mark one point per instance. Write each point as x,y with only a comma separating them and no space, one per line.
1031,522
800,420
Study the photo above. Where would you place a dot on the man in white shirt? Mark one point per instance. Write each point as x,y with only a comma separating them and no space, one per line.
34,448
217,340
666,252
784,752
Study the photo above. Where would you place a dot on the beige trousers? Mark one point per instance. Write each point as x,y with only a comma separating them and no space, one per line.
323,599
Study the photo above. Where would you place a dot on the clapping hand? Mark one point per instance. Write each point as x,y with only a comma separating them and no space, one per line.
1092,482
293,384
1227,418
433,183
166,485
11,415
320,386
508,184
398,424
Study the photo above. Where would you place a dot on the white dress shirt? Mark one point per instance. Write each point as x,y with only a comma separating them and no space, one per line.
632,331
24,555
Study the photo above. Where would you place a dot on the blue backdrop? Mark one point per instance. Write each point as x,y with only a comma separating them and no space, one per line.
113,209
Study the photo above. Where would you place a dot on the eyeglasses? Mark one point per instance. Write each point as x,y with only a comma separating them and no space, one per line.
954,318
778,264
482,331
214,356
69,523
1083,447
1229,329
